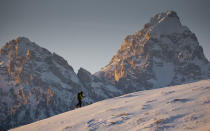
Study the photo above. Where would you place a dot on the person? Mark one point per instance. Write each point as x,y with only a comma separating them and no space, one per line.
79,98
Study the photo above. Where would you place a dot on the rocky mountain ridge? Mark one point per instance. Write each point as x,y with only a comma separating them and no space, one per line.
163,53
37,84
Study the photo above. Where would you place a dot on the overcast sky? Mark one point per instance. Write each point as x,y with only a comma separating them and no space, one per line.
87,33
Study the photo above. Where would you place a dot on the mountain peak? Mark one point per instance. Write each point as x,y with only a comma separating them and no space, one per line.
168,13
23,39
162,16
165,23
171,13
163,46
22,46
33,81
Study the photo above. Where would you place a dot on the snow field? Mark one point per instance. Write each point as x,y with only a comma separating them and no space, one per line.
178,108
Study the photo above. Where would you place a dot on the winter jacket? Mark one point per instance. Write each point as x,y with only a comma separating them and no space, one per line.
79,96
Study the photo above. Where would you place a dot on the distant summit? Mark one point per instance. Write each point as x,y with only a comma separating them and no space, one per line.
163,53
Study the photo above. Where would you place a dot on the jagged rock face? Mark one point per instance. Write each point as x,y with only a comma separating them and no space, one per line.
163,53
84,76
97,89
36,83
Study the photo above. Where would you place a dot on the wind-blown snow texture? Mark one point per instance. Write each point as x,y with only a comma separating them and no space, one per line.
177,108
37,84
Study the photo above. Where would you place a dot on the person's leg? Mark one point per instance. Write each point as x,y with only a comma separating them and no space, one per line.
80,103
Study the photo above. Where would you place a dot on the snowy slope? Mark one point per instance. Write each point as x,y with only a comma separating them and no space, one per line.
36,84
182,107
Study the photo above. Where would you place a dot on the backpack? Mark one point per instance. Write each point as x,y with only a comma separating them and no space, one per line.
79,96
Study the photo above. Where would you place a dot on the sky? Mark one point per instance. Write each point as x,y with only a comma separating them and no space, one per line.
88,33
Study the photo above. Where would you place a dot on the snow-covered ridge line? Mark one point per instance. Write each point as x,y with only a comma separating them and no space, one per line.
176,108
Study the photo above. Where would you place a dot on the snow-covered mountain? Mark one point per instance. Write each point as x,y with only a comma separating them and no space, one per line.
36,84
177,108
163,53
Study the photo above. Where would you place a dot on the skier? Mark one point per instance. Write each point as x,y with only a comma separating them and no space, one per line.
79,98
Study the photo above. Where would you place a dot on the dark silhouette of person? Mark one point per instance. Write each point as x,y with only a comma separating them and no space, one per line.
79,98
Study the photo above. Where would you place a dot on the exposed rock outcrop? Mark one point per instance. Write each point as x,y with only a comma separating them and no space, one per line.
163,53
